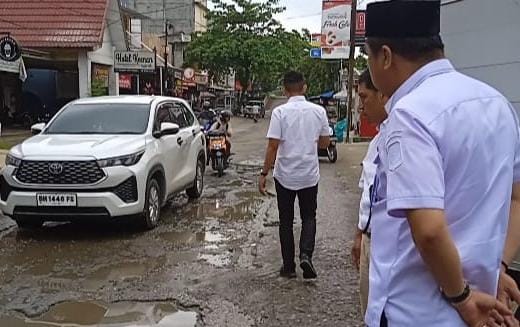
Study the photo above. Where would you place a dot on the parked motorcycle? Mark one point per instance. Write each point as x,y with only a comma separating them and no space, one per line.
331,152
217,151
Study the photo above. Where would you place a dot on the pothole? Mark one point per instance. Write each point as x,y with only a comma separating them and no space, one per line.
89,313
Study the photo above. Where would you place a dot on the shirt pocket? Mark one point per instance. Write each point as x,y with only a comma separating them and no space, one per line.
394,152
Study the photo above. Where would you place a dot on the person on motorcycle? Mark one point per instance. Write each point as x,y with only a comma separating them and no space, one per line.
223,125
207,116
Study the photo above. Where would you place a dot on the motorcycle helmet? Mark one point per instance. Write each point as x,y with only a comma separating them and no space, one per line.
225,115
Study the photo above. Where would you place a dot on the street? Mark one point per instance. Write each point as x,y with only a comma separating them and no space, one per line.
213,262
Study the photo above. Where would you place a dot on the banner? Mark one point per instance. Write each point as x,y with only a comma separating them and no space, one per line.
335,29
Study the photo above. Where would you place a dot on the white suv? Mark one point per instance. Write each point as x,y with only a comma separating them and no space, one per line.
105,157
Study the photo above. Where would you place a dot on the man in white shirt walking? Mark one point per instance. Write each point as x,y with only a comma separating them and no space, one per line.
295,132
372,106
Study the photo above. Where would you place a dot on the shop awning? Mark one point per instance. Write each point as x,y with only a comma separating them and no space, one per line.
15,67
327,95
341,95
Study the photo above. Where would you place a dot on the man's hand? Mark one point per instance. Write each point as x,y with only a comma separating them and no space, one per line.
507,289
481,310
356,249
262,181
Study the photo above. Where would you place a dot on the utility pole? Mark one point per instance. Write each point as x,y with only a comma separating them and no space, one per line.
165,82
351,60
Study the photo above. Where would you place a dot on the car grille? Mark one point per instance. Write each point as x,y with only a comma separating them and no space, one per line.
71,172
127,191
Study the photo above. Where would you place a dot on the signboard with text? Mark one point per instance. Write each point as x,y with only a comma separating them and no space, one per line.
335,29
360,27
134,61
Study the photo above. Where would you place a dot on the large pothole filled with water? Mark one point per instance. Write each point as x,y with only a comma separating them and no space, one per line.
93,313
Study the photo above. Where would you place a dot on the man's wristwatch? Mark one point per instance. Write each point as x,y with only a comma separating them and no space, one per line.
263,173
457,299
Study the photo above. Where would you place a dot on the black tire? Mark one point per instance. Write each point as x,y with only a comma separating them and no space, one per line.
29,224
220,167
152,206
196,190
332,154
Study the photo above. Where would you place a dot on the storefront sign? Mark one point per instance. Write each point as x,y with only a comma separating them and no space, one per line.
189,77
335,29
134,61
125,81
9,49
360,27
201,79
99,80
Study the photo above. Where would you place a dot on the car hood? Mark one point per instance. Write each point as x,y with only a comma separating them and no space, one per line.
92,146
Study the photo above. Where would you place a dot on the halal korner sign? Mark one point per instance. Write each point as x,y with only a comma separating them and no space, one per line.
134,61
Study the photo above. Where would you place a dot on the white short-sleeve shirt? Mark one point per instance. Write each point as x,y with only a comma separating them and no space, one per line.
298,125
451,143
365,183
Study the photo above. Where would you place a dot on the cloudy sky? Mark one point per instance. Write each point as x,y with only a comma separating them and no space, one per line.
305,14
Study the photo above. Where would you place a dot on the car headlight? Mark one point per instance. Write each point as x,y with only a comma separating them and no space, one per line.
12,161
128,160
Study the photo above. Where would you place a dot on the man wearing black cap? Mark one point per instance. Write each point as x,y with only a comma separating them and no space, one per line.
447,181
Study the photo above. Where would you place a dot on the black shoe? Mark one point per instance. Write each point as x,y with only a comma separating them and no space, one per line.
287,273
308,268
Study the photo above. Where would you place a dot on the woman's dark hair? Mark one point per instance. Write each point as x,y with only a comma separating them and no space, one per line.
366,79
413,48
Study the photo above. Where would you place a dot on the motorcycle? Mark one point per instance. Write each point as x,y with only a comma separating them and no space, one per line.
331,152
217,151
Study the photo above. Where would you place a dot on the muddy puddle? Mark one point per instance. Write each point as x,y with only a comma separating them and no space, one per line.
235,206
127,314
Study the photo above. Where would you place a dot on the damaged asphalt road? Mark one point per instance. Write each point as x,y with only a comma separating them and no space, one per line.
212,262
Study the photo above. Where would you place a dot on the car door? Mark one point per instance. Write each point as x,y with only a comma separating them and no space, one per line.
168,147
183,141
196,140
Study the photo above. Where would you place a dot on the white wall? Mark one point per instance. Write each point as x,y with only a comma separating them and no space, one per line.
482,39
84,74
113,39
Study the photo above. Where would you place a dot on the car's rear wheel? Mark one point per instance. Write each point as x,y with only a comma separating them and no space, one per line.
195,191
152,207
29,224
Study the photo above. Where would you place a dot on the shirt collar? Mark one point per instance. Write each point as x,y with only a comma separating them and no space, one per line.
433,68
296,98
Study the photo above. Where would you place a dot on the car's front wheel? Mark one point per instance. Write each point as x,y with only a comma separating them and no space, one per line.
152,206
195,191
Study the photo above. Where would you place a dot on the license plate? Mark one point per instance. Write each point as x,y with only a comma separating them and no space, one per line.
56,200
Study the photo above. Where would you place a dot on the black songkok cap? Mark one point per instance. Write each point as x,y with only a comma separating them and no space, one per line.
403,18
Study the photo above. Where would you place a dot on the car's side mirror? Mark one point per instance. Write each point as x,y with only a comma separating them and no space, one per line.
167,129
37,128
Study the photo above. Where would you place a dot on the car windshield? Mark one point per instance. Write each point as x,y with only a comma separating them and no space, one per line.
101,118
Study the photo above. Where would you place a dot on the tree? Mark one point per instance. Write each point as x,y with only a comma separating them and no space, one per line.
361,62
243,37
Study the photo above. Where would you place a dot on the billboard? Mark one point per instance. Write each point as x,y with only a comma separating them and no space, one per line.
335,29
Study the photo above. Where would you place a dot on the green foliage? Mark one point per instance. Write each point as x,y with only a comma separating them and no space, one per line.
243,37
361,63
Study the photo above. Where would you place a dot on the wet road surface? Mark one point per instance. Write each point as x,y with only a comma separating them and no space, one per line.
211,262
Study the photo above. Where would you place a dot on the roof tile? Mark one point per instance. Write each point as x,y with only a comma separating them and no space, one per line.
54,23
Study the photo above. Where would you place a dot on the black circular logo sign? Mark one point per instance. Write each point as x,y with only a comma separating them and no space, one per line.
9,49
